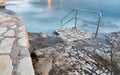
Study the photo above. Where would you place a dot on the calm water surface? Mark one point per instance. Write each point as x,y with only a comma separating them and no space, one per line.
45,15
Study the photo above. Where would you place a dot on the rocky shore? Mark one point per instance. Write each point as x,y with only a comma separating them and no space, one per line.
69,51
75,52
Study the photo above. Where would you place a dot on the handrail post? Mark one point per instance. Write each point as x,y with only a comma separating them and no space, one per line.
75,18
61,23
98,25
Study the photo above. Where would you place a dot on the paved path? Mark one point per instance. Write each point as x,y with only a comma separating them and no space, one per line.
14,55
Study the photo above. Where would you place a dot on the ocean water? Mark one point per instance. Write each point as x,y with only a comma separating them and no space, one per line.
45,15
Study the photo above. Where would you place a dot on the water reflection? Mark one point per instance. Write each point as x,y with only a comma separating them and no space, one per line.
49,4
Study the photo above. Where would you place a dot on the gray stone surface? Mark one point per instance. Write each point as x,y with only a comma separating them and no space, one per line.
1,37
24,51
71,34
14,54
89,56
25,67
13,26
3,30
5,65
23,41
5,18
21,34
22,28
6,45
10,33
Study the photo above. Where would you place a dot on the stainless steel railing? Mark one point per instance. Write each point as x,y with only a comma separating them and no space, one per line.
75,17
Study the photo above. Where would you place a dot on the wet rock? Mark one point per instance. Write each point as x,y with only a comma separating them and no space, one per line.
86,56
72,34
114,40
43,40
3,10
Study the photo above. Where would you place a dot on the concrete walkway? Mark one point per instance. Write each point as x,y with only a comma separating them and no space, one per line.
14,55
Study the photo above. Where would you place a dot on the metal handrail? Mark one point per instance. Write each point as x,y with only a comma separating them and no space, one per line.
87,21
67,15
68,21
85,10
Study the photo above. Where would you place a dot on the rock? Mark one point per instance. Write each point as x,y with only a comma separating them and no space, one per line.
24,51
40,53
21,34
44,67
6,45
23,41
65,57
43,40
7,11
3,30
10,33
25,67
22,28
1,37
79,56
72,34
43,35
14,26
5,65
7,22
2,4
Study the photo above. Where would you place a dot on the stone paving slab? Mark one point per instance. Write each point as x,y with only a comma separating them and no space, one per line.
5,65
24,66
14,54
6,45
3,30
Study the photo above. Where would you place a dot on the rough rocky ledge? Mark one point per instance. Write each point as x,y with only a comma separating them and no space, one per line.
14,54
75,52
70,52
